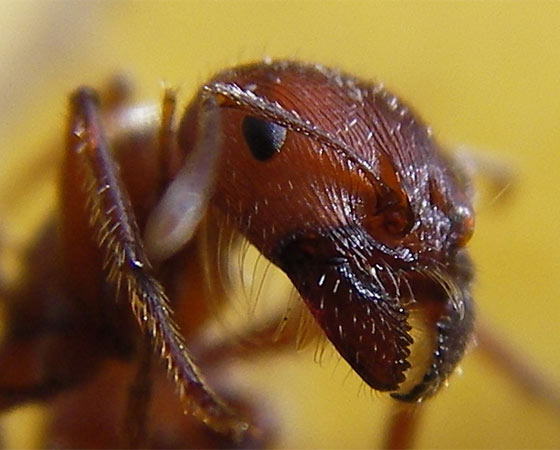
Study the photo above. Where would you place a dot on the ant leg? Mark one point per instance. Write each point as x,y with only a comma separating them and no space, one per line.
8,252
135,430
499,177
48,345
169,153
401,431
115,231
34,371
517,368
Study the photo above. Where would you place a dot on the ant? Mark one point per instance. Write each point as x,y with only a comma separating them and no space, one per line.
333,179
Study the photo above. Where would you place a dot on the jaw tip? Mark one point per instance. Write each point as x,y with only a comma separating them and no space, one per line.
419,392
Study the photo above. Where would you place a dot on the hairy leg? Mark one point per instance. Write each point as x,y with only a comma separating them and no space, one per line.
116,234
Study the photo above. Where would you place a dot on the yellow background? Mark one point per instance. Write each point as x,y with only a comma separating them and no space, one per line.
485,74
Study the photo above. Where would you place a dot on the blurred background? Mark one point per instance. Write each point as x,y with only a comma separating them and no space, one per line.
483,74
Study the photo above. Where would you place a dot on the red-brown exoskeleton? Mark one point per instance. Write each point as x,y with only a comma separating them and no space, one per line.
331,178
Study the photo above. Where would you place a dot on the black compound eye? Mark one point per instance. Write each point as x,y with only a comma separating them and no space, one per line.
263,138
